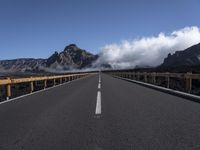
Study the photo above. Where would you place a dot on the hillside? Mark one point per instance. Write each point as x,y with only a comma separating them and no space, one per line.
187,57
72,57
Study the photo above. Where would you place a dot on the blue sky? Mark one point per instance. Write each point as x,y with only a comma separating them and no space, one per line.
37,28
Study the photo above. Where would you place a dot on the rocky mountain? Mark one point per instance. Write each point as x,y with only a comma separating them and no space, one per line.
187,57
21,65
71,58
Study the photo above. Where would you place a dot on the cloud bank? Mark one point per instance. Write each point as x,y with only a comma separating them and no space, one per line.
147,51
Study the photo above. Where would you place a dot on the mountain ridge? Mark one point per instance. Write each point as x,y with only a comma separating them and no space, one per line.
75,58
188,57
72,57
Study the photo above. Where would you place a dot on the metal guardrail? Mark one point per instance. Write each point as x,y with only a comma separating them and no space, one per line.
8,82
188,77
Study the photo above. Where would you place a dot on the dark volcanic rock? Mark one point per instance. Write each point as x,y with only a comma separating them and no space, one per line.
21,65
187,57
71,58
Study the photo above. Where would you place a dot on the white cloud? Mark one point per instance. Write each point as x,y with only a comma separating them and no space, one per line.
148,51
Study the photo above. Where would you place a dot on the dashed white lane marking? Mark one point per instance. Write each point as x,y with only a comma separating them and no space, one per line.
98,104
99,86
99,78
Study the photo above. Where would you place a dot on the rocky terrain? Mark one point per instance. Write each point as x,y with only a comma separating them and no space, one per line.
187,57
71,58
21,65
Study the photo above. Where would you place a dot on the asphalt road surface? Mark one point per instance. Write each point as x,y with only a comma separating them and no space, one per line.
100,113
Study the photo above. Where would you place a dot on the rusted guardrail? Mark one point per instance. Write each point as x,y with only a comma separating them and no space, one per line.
151,77
8,82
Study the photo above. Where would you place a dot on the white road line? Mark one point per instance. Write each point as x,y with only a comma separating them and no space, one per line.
99,77
99,86
163,88
98,104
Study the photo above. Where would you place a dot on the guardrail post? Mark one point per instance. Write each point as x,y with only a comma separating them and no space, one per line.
188,82
120,74
54,82
167,79
32,86
8,90
45,84
153,77
126,74
129,75
138,76
133,75
60,80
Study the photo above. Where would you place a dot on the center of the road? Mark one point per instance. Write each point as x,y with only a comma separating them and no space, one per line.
99,86
98,104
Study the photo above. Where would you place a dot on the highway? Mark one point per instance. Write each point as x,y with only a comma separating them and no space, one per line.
100,112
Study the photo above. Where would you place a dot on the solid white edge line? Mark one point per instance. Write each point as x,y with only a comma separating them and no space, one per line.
163,88
49,88
98,104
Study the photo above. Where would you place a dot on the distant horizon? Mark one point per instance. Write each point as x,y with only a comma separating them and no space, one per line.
60,50
82,49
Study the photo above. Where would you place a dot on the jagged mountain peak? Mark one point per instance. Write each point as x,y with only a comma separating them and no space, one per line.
71,47
72,57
